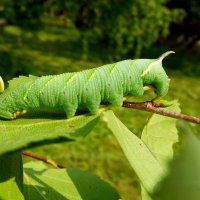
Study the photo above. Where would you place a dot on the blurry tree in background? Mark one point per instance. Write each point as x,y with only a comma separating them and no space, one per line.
116,28
186,34
127,26
23,13
120,26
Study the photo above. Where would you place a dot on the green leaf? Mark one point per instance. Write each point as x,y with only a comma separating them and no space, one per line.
23,133
160,133
17,82
11,181
141,159
183,181
42,183
144,194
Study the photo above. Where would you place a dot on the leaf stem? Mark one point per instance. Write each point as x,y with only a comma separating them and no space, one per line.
148,106
45,160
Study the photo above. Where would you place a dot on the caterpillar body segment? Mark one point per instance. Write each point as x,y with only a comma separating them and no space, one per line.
86,89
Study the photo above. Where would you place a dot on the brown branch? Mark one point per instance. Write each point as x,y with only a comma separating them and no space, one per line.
148,106
42,159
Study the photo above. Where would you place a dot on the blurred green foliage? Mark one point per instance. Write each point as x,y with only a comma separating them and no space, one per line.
118,26
23,13
186,34
113,30
123,26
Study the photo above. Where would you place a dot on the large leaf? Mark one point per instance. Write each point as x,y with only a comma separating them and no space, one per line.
183,181
144,194
11,181
26,132
160,133
62,184
141,159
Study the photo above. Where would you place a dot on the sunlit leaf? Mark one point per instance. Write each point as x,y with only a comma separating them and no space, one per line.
144,194
160,133
141,159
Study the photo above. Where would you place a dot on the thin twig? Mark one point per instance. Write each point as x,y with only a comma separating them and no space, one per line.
42,159
148,106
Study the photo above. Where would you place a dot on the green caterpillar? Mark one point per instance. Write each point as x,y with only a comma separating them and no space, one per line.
86,89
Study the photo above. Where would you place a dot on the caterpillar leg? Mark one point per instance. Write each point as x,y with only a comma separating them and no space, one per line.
93,108
159,102
70,114
70,110
116,100
18,114
93,104
138,90
149,88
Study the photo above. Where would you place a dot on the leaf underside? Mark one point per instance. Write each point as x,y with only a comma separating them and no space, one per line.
149,157
139,156
73,184
27,132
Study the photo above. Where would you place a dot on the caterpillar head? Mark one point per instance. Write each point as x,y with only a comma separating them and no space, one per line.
155,75
1,85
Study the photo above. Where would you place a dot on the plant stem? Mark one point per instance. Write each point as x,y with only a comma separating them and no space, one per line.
148,106
42,159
